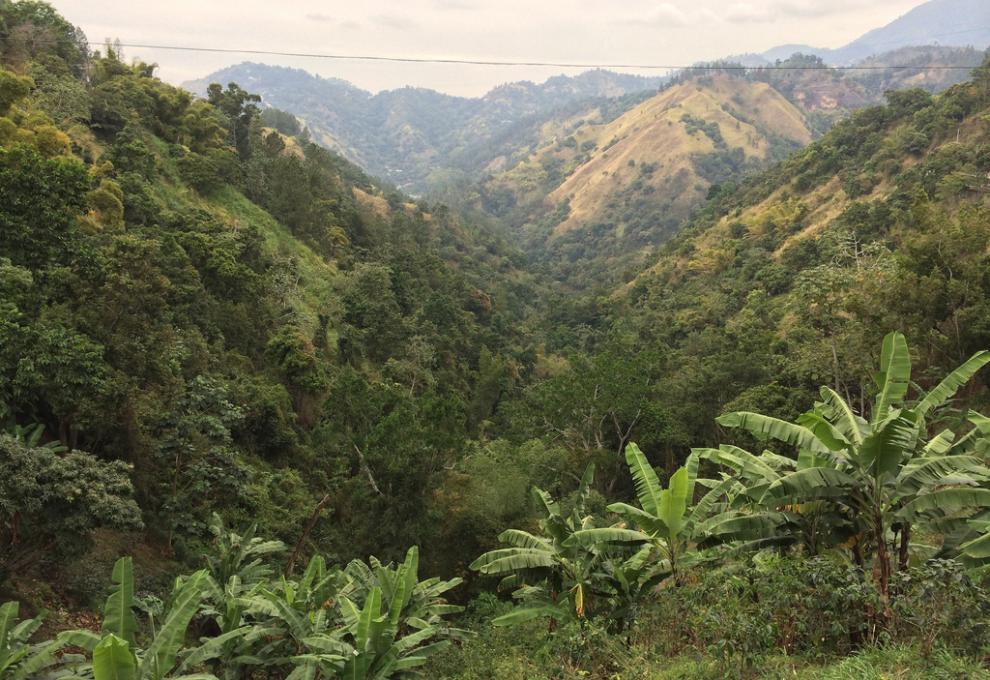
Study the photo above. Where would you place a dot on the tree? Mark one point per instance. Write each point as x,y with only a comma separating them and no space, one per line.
673,525
41,201
239,106
885,473
50,502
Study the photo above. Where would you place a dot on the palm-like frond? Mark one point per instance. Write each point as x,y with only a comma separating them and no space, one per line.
894,376
648,488
949,385
766,427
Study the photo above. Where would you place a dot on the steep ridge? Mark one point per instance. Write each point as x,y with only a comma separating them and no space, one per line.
404,135
789,279
245,317
958,23
614,188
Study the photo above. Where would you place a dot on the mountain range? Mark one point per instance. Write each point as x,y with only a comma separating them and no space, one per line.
958,23
403,135
593,172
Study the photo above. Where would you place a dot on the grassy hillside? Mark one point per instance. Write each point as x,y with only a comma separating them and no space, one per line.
602,191
801,268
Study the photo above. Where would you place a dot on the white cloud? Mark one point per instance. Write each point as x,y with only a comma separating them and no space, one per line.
561,31
745,13
664,15
395,22
320,18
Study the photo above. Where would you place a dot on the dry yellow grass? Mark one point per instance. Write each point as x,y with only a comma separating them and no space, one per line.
376,204
652,133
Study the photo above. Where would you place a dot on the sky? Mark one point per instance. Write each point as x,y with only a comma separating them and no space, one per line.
586,31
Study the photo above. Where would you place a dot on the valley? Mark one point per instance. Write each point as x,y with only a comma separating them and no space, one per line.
660,378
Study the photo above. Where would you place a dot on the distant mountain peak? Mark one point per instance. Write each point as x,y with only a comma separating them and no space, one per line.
958,23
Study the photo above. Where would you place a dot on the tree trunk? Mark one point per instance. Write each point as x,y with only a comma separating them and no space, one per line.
881,572
902,558
313,519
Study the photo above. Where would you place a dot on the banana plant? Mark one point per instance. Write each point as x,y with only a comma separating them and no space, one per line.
377,621
553,575
814,524
419,603
237,569
19,658
300,621
886,473
116,654
675,526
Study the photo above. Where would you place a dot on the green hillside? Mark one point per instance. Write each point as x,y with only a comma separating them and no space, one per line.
407,135
265,417
224,307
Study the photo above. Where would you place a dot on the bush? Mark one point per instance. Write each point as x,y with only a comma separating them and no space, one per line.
51,502
200,173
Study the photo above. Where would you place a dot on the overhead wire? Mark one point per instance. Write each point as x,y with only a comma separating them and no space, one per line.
552,64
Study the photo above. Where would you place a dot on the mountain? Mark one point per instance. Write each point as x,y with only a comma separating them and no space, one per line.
597,188
960,23
789,280
403,135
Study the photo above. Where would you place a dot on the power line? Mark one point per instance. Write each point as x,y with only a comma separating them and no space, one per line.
478,62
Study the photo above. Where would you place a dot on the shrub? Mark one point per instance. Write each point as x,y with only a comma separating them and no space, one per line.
50,502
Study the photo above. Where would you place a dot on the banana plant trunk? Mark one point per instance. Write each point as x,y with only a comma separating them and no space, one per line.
902,557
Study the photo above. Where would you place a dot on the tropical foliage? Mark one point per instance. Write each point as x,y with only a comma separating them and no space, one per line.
231,354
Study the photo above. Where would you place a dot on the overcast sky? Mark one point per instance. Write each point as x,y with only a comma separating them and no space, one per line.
596,31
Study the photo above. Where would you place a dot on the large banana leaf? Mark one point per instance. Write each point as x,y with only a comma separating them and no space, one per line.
591,537
643,519
884,449
808,484
765,427
529,612
978,548
509,559
946,389
744,463
44,655
518,538
945,502
160,656
705,507
648,487
545,500
894,376
211,648
372,610
406,578
674,502
929,472
118,614
112,660
741,526
824,430
838,412
940,444
8,615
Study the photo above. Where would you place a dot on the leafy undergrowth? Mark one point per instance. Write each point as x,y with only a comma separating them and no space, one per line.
528,653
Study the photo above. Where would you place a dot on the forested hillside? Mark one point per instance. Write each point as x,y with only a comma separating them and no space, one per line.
414,136
244,319
881,224
263,416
